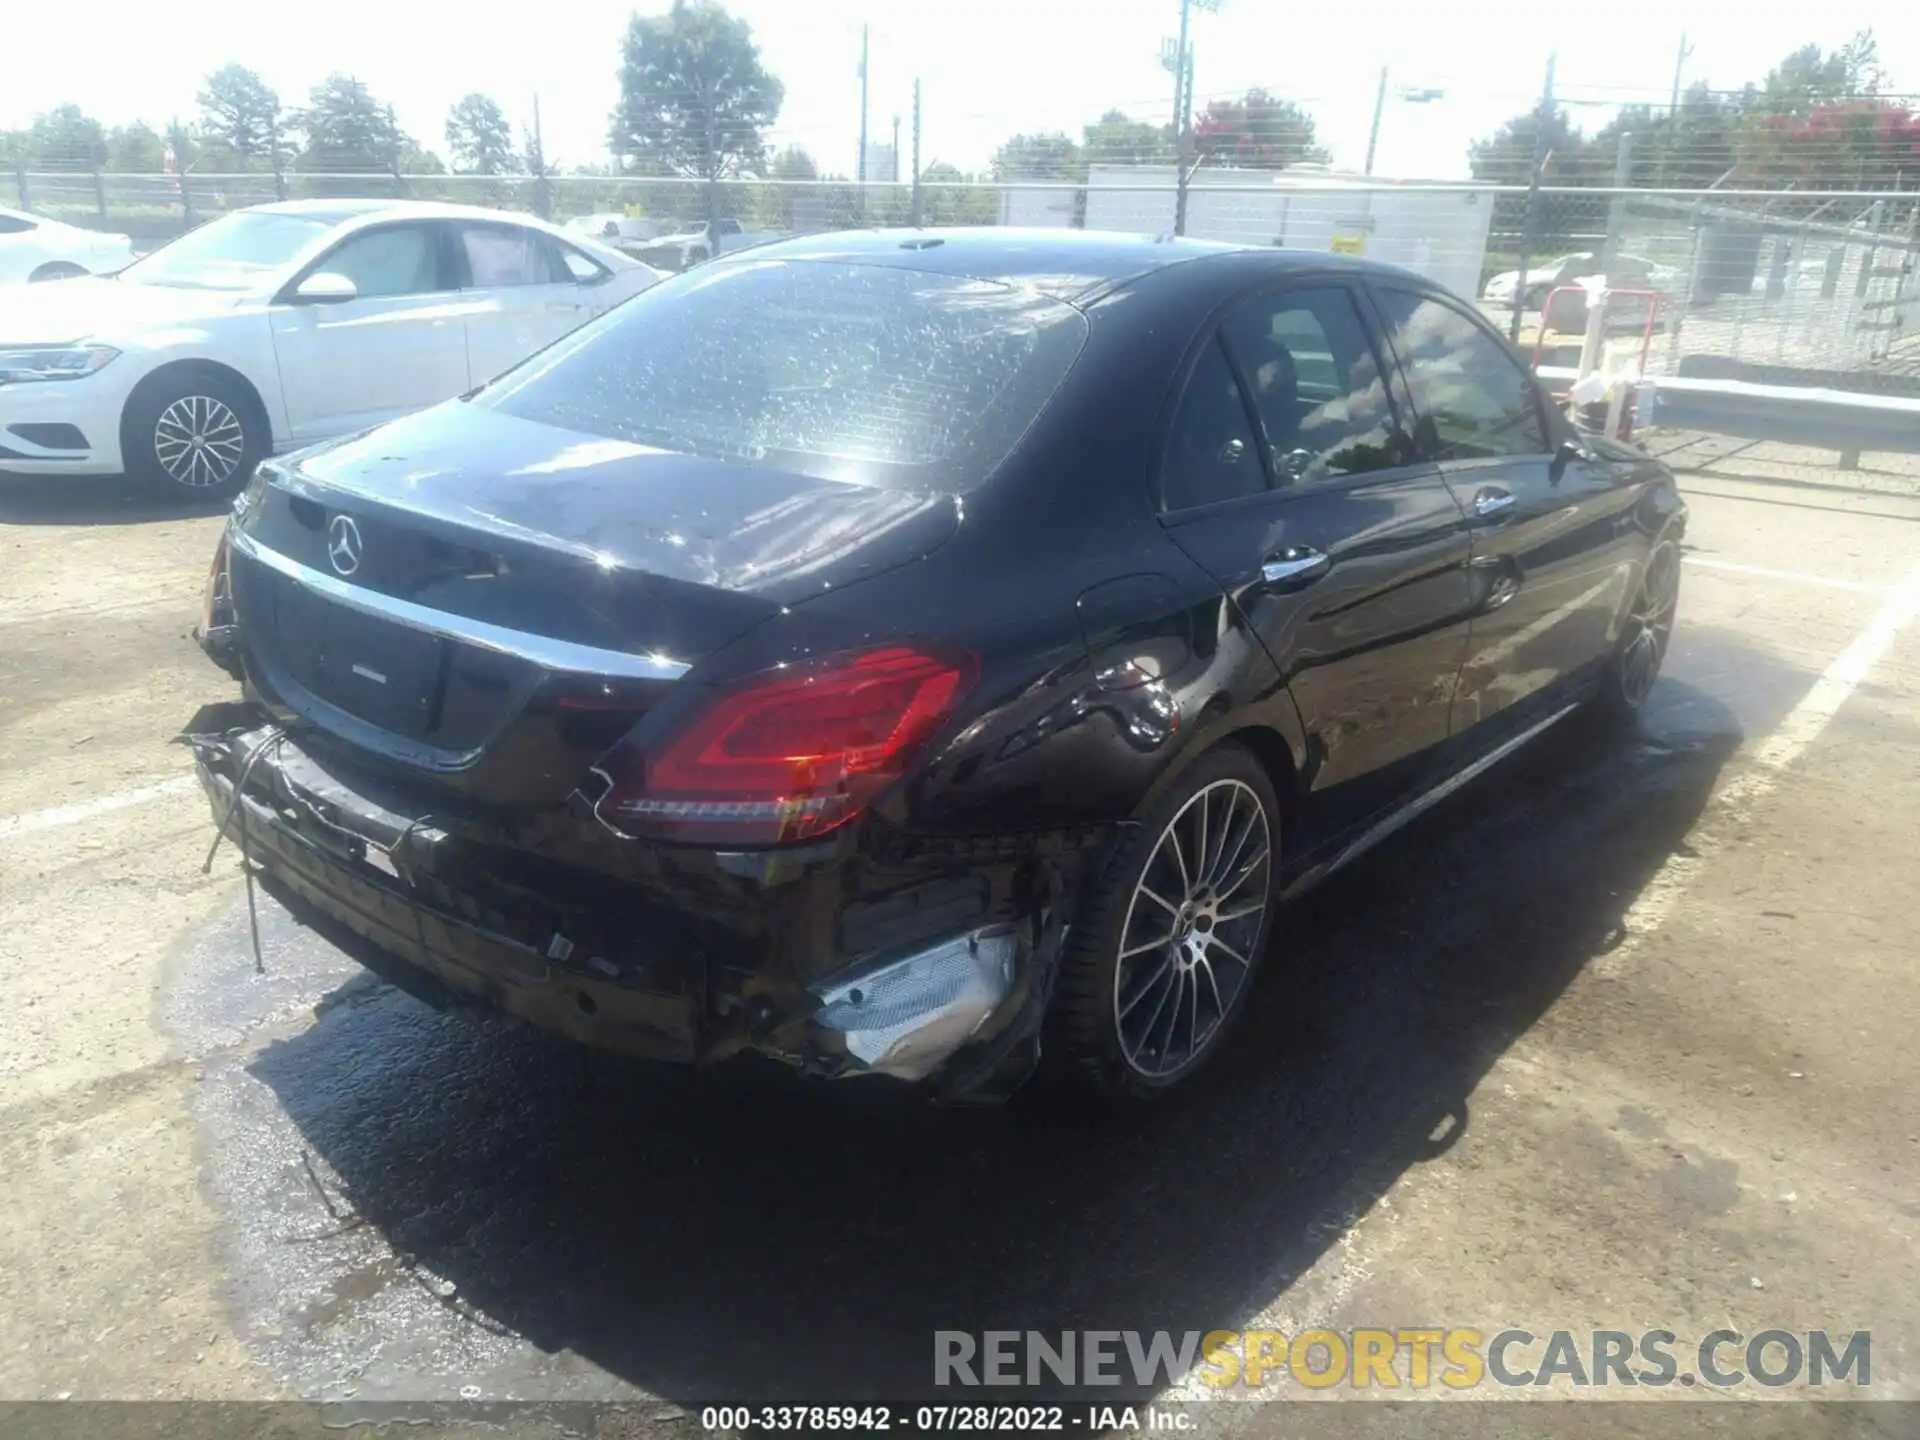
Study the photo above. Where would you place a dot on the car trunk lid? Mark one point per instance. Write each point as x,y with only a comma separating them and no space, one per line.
489,602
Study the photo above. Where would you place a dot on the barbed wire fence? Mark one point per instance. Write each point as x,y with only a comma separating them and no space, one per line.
1785,240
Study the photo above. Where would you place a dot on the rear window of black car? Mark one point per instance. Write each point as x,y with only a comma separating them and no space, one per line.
866,373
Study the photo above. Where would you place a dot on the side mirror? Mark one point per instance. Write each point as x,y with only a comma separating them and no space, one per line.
324,287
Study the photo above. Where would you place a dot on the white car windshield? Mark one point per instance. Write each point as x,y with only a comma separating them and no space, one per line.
231,253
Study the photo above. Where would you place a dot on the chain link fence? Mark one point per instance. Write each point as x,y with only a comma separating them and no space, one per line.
1721,282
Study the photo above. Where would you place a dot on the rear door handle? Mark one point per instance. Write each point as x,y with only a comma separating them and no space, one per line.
1295,566
1490,501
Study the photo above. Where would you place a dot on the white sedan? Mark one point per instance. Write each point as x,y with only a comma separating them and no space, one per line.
33,247
283,325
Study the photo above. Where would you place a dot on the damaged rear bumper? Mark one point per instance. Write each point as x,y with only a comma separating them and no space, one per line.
399,894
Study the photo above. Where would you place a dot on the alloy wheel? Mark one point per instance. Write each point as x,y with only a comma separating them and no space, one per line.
1650,625
1193,921
199,441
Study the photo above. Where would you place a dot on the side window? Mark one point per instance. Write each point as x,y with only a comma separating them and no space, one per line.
16,225
393,260
1476,400
503,255
1317,385
1212,454
580,268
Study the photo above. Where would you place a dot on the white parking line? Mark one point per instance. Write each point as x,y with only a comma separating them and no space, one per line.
1787,744
1795,577
1820,704
1365,1230
34,821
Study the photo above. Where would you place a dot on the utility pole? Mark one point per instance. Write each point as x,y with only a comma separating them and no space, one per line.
1182,143
860,168
1181,63
916,152
1533,198
713,177
1379,105
896,150
1673,109
542,186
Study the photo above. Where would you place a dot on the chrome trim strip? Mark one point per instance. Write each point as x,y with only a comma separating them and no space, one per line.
542,650
1426,800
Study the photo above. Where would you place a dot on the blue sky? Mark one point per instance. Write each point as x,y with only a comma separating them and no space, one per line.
989,67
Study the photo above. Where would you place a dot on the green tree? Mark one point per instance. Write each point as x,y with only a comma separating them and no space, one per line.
66,138
348,131
1811,77
1116,139
135,149
1818,120
694,98
793,163
480,139
1259,131
950,197
1052,156
1690,148
1567,157
414,160
240,114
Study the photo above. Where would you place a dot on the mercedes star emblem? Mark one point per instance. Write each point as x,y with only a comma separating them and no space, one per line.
343,544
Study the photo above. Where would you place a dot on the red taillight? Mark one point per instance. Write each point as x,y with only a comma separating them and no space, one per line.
788,755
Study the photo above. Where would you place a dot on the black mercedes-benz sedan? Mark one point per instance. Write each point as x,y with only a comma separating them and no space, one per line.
901,653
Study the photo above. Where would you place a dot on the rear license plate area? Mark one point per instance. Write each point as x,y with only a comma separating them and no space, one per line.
384,673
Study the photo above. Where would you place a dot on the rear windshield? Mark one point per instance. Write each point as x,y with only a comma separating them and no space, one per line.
865,373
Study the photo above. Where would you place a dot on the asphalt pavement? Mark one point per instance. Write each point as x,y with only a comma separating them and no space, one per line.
1619,1037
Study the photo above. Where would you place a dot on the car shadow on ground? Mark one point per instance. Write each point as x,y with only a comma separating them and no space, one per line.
713,1239
91,500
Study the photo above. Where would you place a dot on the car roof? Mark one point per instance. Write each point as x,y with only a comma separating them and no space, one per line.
1072,265
342,210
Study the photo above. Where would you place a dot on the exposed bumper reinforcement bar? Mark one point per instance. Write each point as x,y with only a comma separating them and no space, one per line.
906,1017
330,855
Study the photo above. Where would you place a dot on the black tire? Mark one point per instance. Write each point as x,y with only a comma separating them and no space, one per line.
1634,667
1112,972
158,432
56,270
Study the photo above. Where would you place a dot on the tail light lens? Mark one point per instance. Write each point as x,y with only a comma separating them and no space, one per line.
788,755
